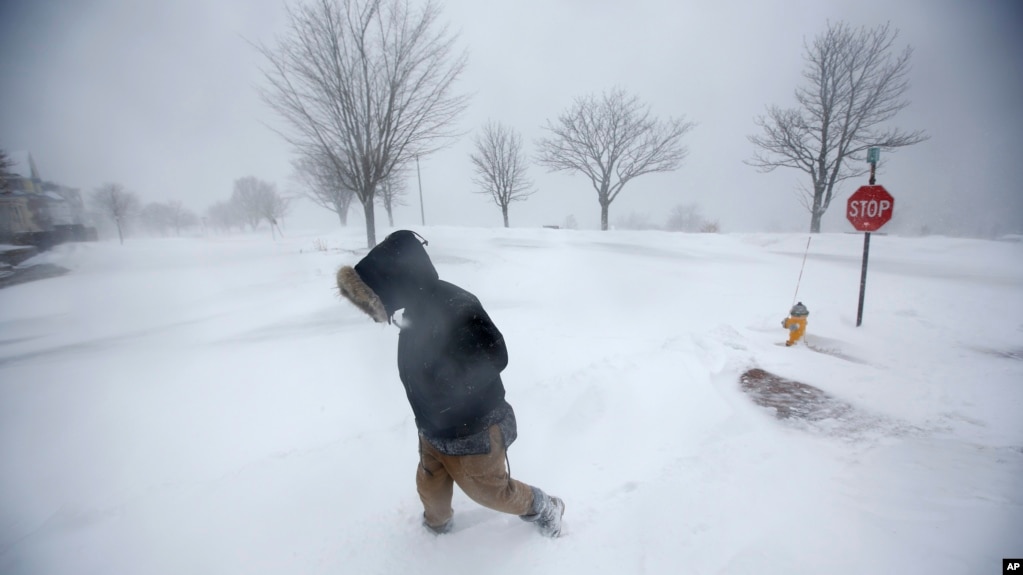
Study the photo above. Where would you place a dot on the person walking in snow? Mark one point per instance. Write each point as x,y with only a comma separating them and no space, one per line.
450,358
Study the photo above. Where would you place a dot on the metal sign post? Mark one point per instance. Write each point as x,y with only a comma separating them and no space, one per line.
868,208
863,278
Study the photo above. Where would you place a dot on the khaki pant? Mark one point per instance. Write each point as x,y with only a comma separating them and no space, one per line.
483,478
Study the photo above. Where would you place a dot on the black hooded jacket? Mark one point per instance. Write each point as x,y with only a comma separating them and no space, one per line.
450,354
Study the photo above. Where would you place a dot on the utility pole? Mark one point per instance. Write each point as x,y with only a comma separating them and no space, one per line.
419,175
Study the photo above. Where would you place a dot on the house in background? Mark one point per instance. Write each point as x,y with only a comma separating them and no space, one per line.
22,175
36,212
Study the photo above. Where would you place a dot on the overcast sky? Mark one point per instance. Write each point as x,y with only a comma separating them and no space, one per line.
160,96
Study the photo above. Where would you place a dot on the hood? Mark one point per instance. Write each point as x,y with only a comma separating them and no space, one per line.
391,276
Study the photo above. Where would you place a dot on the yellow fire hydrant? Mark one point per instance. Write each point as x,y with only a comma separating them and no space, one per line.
795,323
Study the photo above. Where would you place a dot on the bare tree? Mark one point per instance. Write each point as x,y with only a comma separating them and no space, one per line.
635,221
392,192
500,166
180,216
225,216
689,218
855,83
323,185
160,218
249,195
274,207
258,200
612,139
120,205
367,85
156,218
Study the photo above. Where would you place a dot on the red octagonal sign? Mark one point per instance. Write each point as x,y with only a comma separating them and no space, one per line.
869,208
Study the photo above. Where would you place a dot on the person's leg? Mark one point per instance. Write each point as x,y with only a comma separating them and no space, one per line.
435,486
484,478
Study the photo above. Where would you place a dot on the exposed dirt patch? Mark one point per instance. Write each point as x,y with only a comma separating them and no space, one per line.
812,409
791,399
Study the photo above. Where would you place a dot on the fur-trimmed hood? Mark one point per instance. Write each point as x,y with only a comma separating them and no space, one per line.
390,277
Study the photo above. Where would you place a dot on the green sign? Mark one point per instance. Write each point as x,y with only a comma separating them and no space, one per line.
873,155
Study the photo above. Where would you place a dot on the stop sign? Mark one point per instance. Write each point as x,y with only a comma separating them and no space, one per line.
869,208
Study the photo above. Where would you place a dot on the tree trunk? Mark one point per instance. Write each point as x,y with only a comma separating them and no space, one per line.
371,229
504,212
815,213
120,234
815,223
603,215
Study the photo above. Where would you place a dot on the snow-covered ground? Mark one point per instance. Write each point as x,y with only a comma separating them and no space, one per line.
198,406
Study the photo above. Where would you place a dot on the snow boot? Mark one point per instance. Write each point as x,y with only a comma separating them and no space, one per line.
438,529
546,513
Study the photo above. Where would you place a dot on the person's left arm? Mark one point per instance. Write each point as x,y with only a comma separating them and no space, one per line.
481,337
